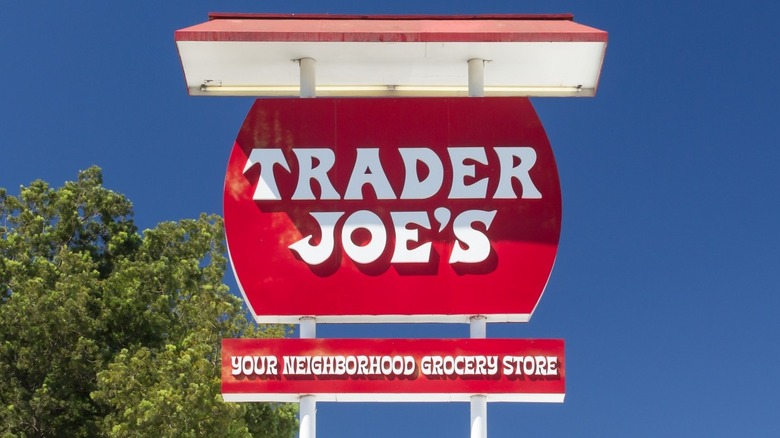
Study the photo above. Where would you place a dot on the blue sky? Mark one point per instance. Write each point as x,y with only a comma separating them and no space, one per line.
666,284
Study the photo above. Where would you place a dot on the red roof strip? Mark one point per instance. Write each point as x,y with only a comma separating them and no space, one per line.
250,16
324,28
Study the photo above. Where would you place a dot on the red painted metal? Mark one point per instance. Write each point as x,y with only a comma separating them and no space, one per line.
260,16
515,366
523,235
420,28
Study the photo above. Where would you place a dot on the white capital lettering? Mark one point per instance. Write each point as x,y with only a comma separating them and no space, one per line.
308,170
461,170
317,254
266,189
368,170
373,224
413,187
471,246
506,158
235,363
404,235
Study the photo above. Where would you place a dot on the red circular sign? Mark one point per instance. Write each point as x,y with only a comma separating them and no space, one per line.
383,209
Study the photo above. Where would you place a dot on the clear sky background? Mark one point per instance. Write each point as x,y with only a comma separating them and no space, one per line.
666,284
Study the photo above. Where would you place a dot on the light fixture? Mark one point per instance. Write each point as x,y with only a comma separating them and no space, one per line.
216,88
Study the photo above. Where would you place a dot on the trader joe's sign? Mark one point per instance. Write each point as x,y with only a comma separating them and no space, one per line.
392,209
393,369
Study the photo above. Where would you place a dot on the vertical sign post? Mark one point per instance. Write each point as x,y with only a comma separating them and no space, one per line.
477,324
307,406
307,409
478,330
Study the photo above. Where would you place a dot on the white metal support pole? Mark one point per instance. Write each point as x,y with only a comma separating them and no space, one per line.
476,77
308,324
307,409
308,77
478,323
478,330
478,327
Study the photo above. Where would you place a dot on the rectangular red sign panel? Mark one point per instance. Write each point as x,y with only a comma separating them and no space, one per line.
504,370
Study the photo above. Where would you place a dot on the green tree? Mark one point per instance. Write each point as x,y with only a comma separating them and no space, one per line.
107,332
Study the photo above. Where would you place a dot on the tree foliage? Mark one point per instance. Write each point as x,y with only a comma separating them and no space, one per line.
107,332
